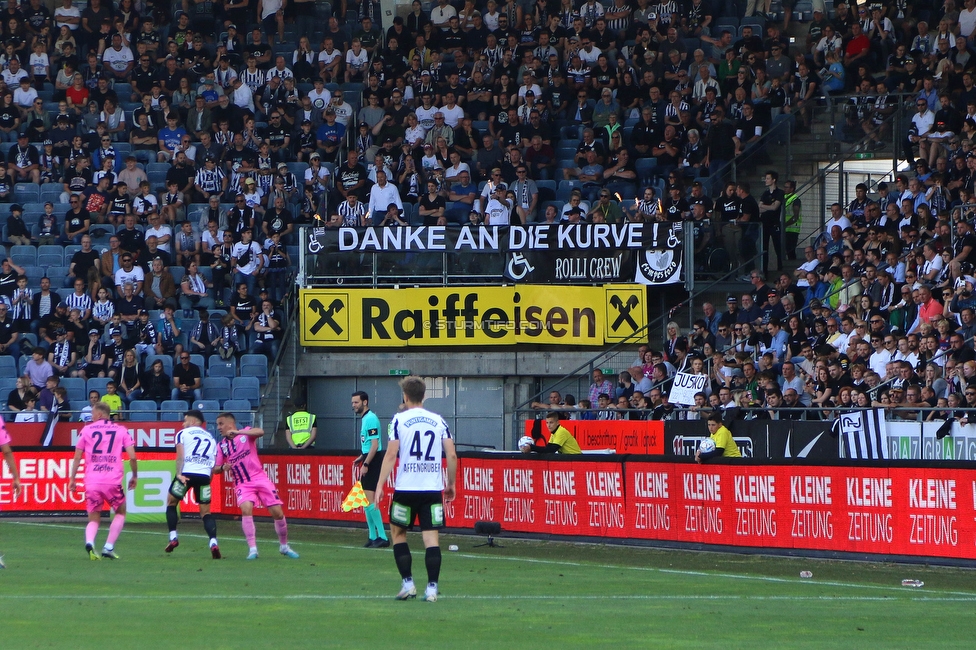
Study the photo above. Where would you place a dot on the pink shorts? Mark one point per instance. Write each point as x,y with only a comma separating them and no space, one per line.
263,492
97,495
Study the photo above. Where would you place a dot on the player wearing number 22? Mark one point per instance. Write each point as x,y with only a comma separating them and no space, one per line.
102,443
237,455
418,440
196,451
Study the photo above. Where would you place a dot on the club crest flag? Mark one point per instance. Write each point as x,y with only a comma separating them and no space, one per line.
355,499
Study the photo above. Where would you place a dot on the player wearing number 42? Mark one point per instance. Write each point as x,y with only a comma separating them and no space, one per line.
196,452
418,440
102,443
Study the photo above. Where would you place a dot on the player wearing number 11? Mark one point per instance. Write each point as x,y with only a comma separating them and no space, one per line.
418,439
102,443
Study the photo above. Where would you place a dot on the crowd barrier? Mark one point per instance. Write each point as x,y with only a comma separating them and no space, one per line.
890,509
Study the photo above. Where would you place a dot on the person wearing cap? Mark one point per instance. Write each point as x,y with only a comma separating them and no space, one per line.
498,210
22,161
17,230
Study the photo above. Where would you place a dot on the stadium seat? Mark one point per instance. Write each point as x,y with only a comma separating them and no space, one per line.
55,249
645,169
254,365
8,368
217,367
76,388
248,388
97,383
143,410
7,384
167,363
47,260
210,409
27,192
199,361
23,255
172,410
216,388
547,190
241,408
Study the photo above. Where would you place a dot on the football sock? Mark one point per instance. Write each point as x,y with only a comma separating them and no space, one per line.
369,520
401,553
377,518
172,518
433,561
210,525
114,529
281,527
90,531
247,523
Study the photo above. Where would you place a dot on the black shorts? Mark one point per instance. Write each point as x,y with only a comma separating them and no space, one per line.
408,507
198,482
371,478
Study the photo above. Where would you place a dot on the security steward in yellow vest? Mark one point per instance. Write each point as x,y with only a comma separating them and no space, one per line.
301,429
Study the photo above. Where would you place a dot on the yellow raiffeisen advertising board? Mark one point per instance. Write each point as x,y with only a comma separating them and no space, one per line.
439,316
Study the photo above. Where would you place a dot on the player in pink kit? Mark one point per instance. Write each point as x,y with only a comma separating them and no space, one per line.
102,443
8,455
237,455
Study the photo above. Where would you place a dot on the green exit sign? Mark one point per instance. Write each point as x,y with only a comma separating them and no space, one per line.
399,372
607,371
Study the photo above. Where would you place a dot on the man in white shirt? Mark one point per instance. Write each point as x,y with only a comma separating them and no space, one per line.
241,95
381,196
837,218
499,209
453,114
967,19
161,231
922,124
118,59
441,15
14,73
129,273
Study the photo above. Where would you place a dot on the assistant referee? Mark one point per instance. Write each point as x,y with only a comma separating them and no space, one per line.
370,461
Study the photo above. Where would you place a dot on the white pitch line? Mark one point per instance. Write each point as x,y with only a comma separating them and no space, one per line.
607,597
680,572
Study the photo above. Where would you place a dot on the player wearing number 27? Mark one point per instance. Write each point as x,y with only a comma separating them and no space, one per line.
237,454
418,440
196,451
102,443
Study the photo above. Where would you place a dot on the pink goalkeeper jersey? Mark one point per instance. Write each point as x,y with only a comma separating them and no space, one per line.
103,443
242,454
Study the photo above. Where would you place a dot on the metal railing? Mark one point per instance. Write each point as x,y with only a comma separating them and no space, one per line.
281,372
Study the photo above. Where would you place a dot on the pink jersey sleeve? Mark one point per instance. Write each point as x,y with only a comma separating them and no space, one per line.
4,436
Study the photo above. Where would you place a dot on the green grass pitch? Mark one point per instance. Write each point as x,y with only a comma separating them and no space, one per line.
529,594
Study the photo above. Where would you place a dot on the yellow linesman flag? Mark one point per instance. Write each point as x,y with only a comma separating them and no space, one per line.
355,499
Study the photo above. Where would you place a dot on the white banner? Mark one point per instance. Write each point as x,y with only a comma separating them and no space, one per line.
684,388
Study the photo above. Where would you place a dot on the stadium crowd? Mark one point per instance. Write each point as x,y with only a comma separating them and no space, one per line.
161,156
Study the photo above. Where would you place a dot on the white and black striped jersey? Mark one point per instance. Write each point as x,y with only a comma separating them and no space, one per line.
61,352
23,301
210,180
620,24
82,303
253,80
350,214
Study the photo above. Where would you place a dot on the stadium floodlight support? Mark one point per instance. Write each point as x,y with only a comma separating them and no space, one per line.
489,528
